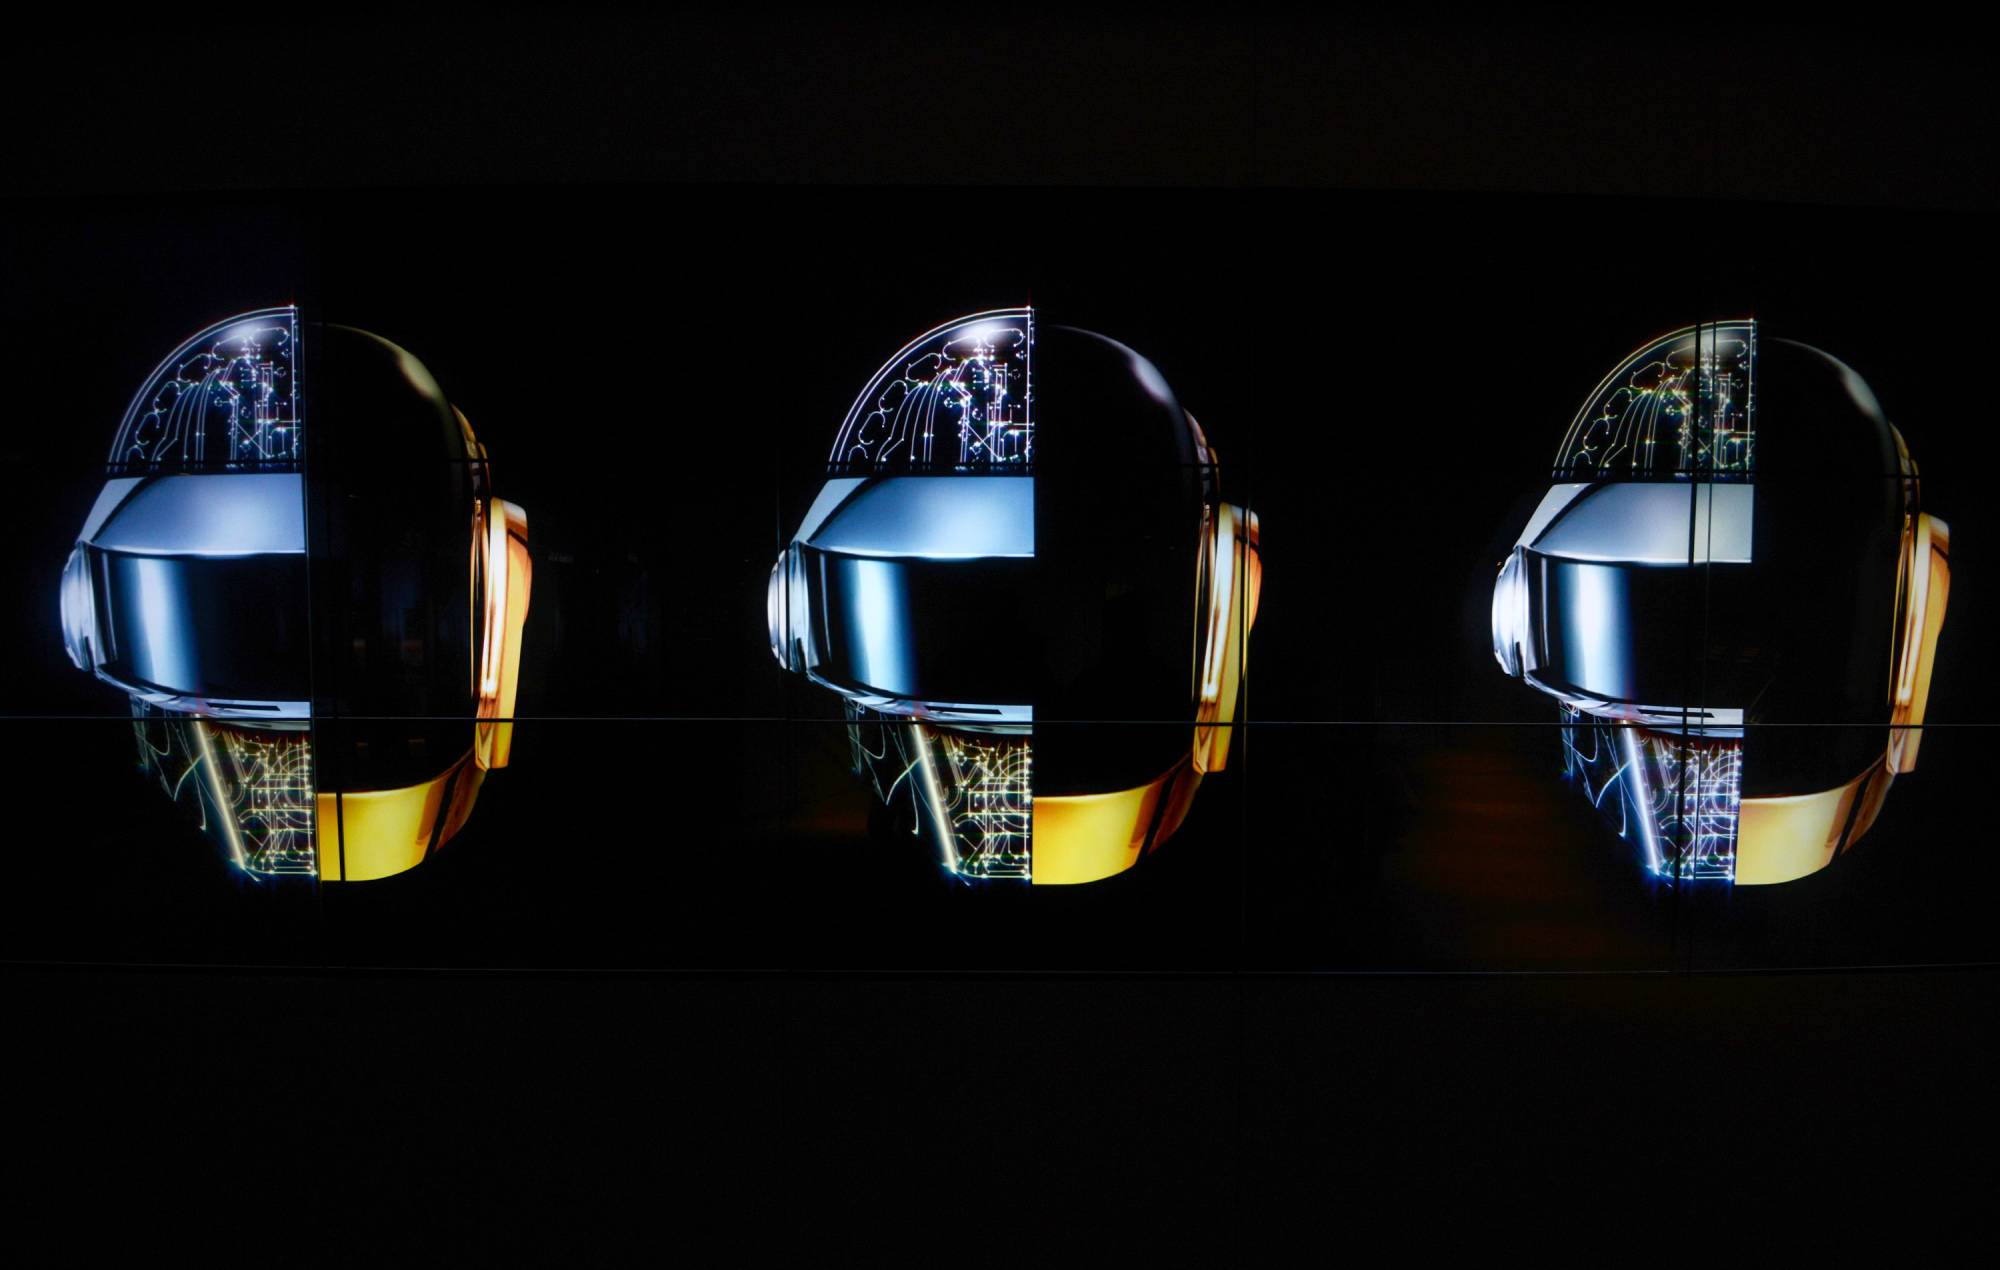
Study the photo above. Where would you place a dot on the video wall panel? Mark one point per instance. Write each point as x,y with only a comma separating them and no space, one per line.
840,580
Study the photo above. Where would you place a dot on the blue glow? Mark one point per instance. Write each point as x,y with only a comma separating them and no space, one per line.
1683,405
228,398
879,614
960,396
221,514
1152,380
1594,635
935,518
1649,523
1679,797
165,657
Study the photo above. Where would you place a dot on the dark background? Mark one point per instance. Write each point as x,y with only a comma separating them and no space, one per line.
459,174
677,802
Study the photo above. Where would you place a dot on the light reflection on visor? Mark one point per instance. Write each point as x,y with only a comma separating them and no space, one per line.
211,628
924,630
1612,631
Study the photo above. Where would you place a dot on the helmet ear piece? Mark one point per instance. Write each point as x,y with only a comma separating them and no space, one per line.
1248,533
79,612
1924,587
502,572
1232,569
509,571
505,572
1232,575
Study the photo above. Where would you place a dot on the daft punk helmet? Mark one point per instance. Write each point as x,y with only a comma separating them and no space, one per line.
1020,580
298,573
1733,537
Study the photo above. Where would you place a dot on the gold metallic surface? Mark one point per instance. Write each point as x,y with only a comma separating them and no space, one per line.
1088,837
380,832
1930,543
1780,839
1235,582
506,614
368,834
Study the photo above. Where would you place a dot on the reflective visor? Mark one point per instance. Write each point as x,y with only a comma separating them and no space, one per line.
226,629
954,631
1616,632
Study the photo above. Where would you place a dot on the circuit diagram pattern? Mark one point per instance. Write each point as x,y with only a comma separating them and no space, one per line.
960,399
992,802
1678,798
1682,406
252,789
973,791
227,399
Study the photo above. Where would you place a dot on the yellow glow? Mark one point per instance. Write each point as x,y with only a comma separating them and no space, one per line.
1223,584
1906,731
507,614
496,607
1780,839
1232,600
378,833
382,832
211,768
1087,837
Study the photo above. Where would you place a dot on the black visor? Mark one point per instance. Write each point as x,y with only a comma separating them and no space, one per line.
943,631
1617,632
222,629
